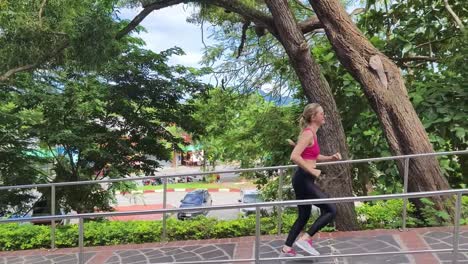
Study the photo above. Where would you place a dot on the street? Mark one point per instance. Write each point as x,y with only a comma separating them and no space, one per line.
173,201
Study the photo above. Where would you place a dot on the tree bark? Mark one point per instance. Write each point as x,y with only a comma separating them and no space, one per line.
337,181
385,89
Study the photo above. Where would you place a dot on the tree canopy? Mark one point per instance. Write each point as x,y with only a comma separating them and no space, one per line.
80,98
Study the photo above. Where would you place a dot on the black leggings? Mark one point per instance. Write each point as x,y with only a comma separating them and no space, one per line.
304,187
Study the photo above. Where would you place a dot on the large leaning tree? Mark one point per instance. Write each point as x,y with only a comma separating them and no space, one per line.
380,78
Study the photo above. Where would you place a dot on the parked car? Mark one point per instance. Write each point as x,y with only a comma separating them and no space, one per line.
251,196
185,179
40,208
155,181
197,198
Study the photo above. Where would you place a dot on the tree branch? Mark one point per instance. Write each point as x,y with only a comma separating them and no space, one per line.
236,6
27,67
303,6
10,72
313,23
455,17
416,58
144,13
252,14
435,41
310,25
41,10
258,17
243,38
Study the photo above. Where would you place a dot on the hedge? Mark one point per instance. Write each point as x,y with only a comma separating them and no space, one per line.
101,233
380,214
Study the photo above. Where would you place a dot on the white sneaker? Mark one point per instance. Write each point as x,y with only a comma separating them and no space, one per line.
306,245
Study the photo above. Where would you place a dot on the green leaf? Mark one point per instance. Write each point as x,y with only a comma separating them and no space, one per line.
407,47
460,132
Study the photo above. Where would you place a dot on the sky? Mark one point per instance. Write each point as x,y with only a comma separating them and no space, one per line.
167,28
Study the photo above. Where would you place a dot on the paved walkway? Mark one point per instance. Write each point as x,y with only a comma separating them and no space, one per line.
243,248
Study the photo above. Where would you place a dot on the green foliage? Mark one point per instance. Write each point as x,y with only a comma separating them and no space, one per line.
381,214
400,30
95,124
437,89
18,236
80,32
384,214
243,127
94,106
270,186
19,164
464,211
432,216
27,236
388,214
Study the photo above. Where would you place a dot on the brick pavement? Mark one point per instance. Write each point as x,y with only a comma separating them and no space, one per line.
355,242
146,207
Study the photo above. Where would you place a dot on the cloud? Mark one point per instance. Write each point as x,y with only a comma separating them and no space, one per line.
167,28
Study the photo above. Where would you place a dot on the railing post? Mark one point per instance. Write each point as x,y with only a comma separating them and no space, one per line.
405,190
52,212
280,198
257,234
164,231
456,229
80,240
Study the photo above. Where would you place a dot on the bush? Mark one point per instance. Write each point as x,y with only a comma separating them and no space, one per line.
384,214
381,214
102,233
433,217
211,178
464,212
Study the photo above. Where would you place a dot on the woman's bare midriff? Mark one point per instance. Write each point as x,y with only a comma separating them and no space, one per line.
311,162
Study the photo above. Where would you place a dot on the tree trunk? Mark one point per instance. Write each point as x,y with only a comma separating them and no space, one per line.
385,89
338,182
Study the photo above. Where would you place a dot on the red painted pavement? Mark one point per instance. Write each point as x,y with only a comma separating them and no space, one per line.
138,208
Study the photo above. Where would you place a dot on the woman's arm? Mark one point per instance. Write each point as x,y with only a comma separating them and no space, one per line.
336,156
304,139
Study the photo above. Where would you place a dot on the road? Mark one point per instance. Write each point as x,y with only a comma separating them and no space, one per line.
225,177
173,200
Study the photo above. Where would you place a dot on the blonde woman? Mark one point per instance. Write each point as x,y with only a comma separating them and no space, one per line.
306,153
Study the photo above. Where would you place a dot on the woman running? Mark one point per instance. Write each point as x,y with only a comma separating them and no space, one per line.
306,153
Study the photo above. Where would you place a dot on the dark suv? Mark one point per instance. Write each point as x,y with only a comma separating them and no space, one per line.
197,198
41,208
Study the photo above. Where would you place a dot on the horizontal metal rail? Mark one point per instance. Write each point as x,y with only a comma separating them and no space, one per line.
454,250
279,204
318,257
240,206
28,186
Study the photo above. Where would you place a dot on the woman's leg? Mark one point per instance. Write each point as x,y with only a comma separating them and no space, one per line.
327,211
299,186
301,221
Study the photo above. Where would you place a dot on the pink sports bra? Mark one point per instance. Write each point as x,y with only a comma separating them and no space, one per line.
312,152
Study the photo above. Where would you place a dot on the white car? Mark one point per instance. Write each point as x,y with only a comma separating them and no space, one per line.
251,196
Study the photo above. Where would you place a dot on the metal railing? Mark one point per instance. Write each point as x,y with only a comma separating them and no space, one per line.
280,169
454,249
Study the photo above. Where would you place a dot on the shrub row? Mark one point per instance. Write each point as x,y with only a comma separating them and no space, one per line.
380,214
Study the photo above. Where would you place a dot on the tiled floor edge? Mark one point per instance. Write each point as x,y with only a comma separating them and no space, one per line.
412,240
